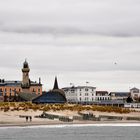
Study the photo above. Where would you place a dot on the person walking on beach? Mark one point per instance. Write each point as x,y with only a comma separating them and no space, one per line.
30,118
26,118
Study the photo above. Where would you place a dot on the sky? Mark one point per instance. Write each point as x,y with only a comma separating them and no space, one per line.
79,41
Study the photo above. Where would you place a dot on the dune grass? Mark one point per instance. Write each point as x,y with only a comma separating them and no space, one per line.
14,106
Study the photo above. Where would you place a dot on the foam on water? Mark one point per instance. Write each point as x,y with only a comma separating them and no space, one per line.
84,125
73,125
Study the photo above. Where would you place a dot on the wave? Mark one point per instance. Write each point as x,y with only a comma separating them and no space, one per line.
72,125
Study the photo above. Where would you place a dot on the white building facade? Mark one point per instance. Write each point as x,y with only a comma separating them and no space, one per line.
135,93
83,94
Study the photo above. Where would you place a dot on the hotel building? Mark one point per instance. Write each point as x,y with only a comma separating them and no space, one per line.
84,94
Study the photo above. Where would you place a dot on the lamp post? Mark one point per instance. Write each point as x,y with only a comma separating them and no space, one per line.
72,91
87,83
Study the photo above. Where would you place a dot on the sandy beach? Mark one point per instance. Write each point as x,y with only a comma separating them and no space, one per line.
11,118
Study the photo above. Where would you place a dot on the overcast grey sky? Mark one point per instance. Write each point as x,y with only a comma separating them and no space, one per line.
77,40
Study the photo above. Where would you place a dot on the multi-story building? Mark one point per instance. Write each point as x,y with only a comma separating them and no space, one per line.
80,94
84,94
10,89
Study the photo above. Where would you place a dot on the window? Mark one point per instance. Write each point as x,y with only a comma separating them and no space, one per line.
10,90
33,90
72,91
5,92
86,89
80,99
80,94
136,95
86,98
135,91
0,92
39,91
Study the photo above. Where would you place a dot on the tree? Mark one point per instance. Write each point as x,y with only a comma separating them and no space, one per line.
129,99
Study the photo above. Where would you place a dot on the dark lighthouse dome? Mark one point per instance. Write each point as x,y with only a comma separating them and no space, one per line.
25,64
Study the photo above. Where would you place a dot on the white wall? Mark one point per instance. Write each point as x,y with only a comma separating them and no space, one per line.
83,94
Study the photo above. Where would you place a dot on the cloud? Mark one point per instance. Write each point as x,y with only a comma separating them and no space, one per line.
73,58
76,40
71,53
112,18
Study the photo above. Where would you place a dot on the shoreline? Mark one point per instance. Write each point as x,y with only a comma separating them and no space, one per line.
76,123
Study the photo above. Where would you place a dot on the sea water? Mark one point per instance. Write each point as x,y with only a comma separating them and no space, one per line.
72,132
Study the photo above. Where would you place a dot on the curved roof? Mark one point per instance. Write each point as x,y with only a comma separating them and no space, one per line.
59,90
54,96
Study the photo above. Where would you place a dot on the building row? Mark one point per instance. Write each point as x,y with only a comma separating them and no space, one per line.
88,94
28,90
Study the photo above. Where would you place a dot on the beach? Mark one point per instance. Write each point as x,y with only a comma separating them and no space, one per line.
12,118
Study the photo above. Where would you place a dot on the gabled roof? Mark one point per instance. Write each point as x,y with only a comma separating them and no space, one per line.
134,88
